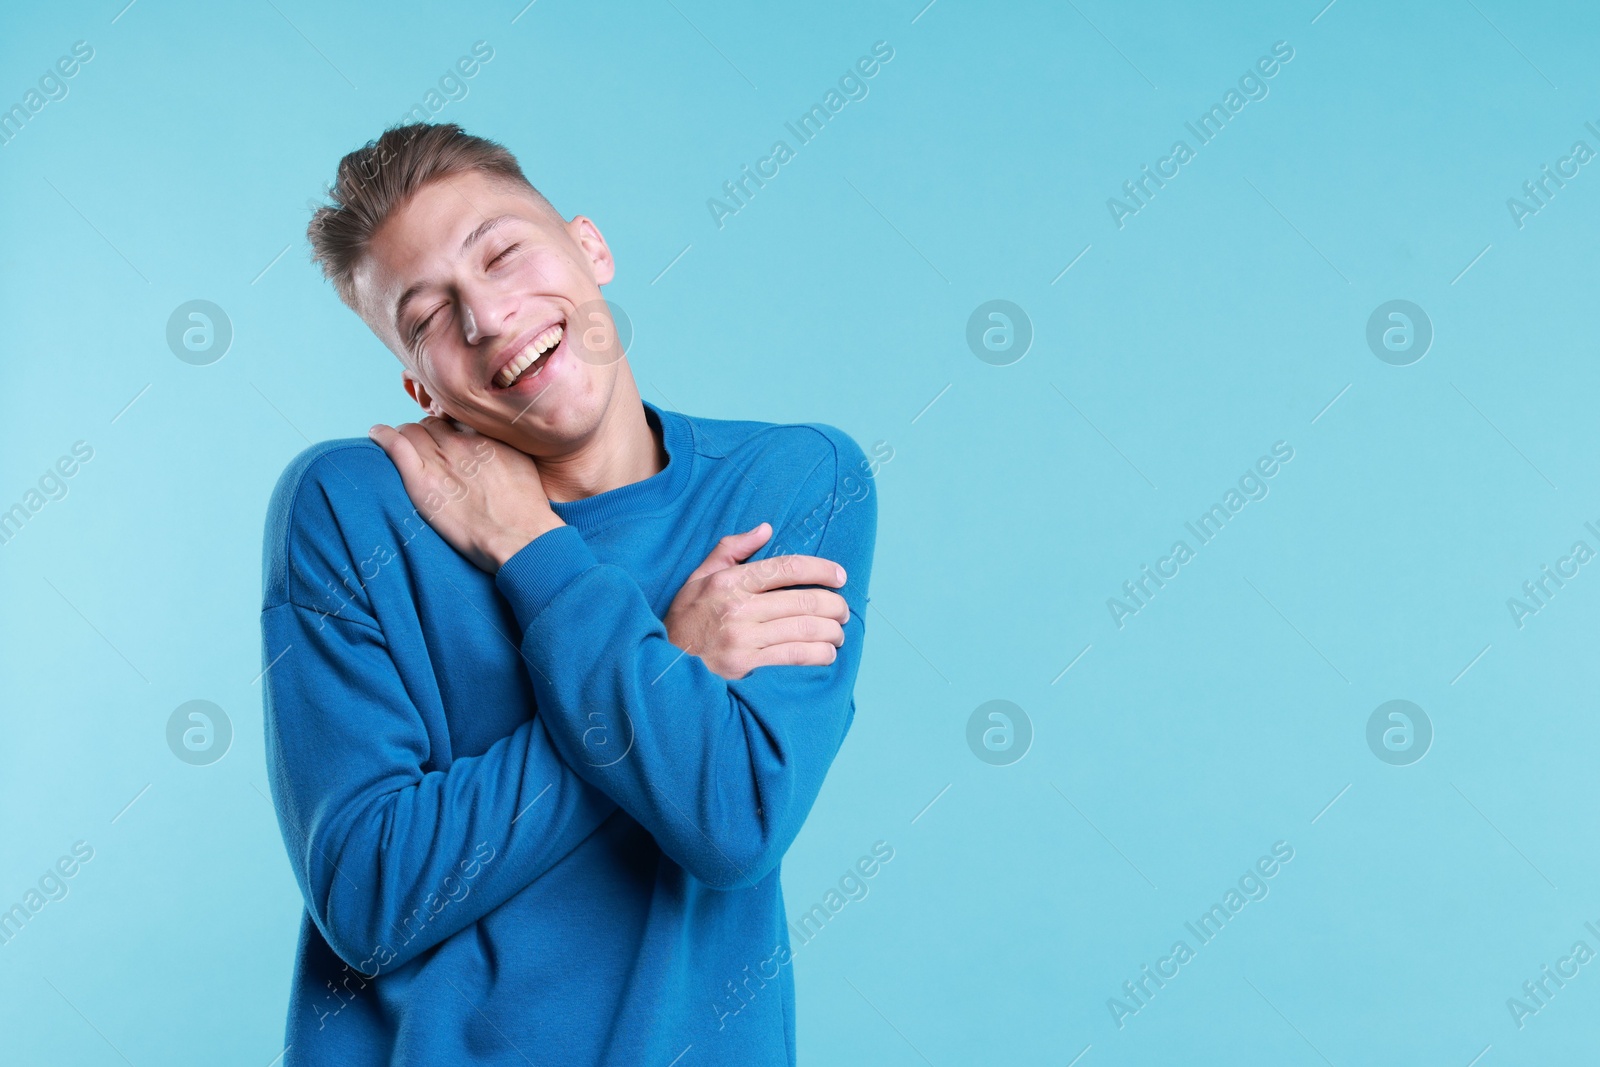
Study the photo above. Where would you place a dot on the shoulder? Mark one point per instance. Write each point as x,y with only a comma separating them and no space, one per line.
333,498
800,449
346,475
829,482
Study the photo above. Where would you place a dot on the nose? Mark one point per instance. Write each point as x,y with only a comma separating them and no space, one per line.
484,312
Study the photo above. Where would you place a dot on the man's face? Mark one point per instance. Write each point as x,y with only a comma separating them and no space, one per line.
467,282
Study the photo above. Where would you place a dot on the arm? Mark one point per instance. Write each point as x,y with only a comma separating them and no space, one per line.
391,859
721,772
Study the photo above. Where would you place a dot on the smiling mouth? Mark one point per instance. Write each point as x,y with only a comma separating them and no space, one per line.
531,360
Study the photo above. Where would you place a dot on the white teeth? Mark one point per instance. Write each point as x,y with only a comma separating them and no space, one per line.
528,356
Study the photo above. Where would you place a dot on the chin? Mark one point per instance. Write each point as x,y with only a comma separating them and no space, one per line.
559,426
568,423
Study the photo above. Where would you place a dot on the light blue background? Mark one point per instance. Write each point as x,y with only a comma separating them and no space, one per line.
1220,319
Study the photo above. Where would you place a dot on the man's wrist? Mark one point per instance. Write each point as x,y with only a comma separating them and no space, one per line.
511,543
534,577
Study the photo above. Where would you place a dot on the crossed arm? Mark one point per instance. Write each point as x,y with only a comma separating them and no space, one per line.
672,722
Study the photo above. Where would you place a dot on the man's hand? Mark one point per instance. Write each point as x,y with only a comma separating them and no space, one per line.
482,496
740,616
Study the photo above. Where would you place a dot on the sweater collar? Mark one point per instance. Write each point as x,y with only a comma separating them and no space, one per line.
638,498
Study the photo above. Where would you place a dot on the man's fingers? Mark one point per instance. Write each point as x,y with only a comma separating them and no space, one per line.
419,436
429,479
401,450
779,572
784,603
799,629
731,549
440,429
796,654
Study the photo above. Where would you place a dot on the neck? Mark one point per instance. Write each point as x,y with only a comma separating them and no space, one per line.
622,450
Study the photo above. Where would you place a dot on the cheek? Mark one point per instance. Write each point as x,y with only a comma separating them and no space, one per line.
447,372
427,370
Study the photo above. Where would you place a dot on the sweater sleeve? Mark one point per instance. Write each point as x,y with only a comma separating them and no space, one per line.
722,773
391,858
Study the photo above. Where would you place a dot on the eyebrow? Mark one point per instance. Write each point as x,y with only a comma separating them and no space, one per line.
472,238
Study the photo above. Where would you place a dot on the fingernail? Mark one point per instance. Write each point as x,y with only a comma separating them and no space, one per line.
840,570
373,432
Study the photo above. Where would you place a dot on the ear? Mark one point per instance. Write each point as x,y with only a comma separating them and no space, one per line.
419,392
593,243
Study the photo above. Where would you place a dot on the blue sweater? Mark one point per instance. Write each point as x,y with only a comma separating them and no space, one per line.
527,828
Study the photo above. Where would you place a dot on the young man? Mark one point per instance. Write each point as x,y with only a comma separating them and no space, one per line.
537,738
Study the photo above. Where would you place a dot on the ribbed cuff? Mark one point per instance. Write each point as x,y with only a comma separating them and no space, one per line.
541,569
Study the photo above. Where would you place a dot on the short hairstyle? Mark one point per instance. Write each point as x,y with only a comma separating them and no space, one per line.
376,180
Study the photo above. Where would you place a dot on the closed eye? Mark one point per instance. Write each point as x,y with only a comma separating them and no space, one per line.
421,327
